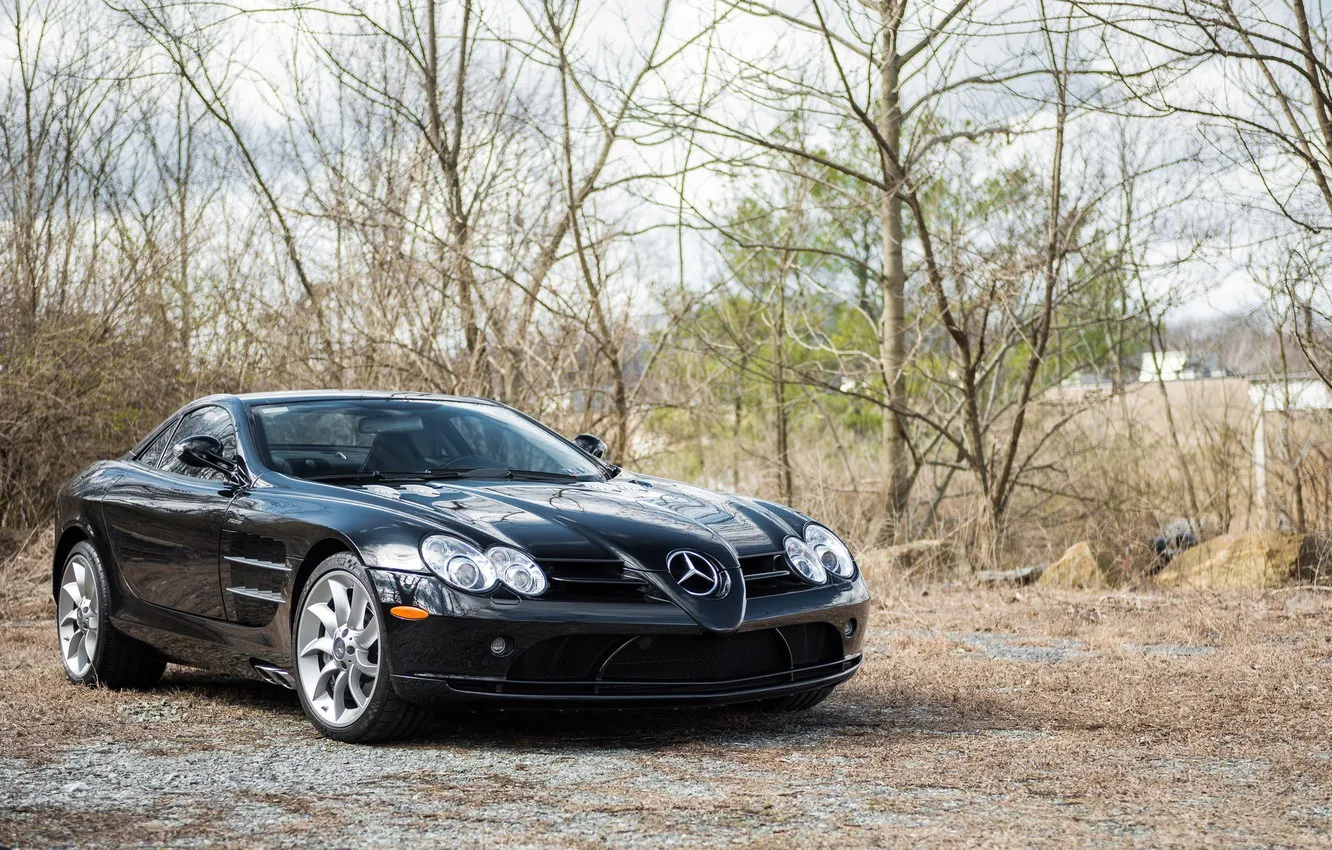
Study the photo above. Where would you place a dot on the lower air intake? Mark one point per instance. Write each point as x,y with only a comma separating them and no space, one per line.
678,658
698,658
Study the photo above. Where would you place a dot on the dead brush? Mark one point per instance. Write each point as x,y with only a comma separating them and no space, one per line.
25,576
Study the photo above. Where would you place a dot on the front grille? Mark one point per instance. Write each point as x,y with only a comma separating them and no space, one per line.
768,575
604,659
592,581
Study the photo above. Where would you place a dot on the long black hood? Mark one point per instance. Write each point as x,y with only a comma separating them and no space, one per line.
637,519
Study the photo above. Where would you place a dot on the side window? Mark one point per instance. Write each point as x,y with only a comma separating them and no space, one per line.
152,453
213,421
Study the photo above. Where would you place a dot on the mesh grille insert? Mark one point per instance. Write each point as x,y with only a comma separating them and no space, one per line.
575,658
813,643
677,658
698,658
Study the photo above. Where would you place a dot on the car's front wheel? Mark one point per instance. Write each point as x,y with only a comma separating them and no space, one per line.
92,651
342,671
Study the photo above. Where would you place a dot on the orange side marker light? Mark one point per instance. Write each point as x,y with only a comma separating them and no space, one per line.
408,612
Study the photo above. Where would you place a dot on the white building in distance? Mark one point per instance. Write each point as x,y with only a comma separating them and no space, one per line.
1179,366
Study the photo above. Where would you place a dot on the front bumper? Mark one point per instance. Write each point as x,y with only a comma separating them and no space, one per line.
614,654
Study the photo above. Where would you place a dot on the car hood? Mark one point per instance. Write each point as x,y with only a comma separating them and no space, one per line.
637,519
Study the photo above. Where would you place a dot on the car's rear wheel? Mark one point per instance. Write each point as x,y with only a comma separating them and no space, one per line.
92,651
342,671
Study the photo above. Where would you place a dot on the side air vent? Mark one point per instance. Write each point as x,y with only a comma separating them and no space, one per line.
256,575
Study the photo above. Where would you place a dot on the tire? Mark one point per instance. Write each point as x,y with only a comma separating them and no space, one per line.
91,650
802,701
343,679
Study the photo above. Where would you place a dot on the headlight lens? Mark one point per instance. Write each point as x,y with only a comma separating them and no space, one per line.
459,563
804,561
517,571
830,551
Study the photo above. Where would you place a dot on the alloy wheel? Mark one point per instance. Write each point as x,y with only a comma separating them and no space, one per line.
77,616
337,637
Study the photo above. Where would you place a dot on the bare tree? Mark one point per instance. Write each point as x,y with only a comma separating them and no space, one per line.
887,73
1272,120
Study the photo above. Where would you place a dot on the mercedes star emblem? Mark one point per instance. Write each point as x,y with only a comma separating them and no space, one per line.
696,574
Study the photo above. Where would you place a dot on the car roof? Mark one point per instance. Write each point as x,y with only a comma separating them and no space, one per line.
288,396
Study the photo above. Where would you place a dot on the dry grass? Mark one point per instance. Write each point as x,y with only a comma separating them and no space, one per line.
24,577
1233,737
41,712
983,716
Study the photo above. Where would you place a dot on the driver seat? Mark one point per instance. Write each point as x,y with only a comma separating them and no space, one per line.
393,451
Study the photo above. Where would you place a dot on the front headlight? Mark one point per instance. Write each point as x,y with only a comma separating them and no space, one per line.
804,561
517,571
459,563
831,552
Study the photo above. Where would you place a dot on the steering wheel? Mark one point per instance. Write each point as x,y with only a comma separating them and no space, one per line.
474,462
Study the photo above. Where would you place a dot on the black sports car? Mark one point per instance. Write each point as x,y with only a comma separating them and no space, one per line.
385,552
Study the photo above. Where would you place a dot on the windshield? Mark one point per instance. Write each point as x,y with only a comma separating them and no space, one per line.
408,437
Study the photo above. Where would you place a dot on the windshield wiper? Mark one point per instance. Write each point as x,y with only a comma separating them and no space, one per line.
538,475
444,473
475,472
373,475
501,472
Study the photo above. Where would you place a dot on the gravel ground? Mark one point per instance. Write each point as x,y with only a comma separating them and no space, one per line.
980,719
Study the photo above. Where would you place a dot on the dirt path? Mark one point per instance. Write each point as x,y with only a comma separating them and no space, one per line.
981,718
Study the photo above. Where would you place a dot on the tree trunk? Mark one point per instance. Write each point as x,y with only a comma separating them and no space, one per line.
779,394
458,266
892,322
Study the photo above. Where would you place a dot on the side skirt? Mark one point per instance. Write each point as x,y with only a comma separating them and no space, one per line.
204,642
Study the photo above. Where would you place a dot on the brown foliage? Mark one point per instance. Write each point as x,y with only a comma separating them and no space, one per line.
74,390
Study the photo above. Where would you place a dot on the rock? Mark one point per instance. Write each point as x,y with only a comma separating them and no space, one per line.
1303,604
1261,559
1021,575
1080,566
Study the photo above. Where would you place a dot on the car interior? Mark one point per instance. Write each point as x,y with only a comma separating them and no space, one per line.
372,441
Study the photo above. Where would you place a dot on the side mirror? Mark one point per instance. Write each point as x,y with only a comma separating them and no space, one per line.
591,444
203,452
